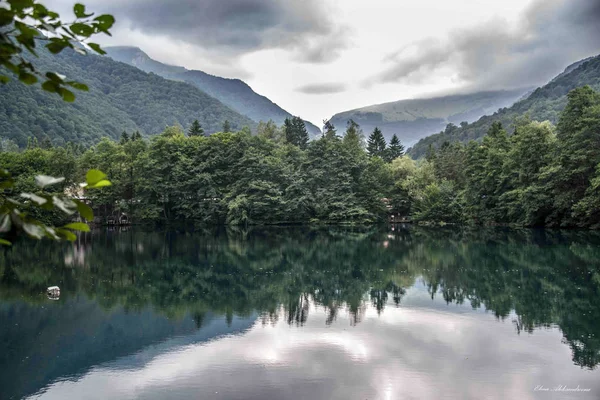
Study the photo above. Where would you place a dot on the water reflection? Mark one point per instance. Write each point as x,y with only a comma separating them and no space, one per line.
358,295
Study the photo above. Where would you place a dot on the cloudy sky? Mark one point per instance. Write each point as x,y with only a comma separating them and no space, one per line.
319,57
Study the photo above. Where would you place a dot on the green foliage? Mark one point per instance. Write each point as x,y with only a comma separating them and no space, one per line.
234,93
33,212
21,25
376,145
120,97
295,132
544,104
195,129
539,176
395,150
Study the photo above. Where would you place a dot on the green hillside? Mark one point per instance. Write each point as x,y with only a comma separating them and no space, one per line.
121,98
414,119
232,92
545,103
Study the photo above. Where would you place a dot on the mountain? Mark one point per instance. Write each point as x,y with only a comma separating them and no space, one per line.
417,118
121,97
545,103
232,92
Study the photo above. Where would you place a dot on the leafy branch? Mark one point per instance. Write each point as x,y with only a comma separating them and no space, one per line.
14,215
25,22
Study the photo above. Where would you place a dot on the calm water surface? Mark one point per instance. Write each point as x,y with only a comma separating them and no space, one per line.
295,313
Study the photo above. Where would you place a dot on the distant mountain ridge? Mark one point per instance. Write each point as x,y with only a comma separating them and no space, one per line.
234,93
121,98
544,103
414,119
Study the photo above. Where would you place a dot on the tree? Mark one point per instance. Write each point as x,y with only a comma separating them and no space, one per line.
124,137
376,144
395,149
26,20
329,129
195,129
226,126
295,132
578,134
354,138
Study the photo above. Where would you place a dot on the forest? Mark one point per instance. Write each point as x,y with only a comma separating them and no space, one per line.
544,104
540,175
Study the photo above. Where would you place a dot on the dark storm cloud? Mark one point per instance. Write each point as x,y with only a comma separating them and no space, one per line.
549,36
235,27
322,88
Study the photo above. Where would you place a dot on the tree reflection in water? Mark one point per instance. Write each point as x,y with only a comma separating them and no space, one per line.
546,278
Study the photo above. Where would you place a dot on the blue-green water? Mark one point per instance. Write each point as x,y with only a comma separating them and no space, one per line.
299,313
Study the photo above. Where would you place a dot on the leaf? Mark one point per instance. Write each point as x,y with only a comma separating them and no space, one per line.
50,86
35,198
5,223
5,242
70,236
67,95
79,86
101,184
84,210
65,205
105,22
79,10
44,180
54,77
6,17
96,47
27,78
81,29
78,226
57,45
33,230
94,176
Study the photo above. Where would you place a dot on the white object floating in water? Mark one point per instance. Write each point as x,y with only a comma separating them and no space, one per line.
53,292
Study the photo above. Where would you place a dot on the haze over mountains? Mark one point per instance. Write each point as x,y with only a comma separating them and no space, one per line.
414,119
544,103
231,92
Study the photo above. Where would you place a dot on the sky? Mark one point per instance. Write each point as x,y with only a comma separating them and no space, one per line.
316,58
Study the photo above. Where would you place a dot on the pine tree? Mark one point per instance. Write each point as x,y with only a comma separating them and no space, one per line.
136,136
301,132
376,144
226,126
395,149
124,137
329,130
195,129
295,132
354,138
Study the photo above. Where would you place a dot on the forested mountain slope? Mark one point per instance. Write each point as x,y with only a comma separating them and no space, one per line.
545,103
413,119
232,92
121,97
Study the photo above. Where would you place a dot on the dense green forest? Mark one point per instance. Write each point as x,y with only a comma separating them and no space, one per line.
120,97
234,93
544,104
540,175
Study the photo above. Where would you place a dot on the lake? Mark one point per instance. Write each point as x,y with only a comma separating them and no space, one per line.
303,313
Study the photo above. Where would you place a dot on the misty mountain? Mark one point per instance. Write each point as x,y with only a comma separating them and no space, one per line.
121,98
544,103
414,119
235,93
